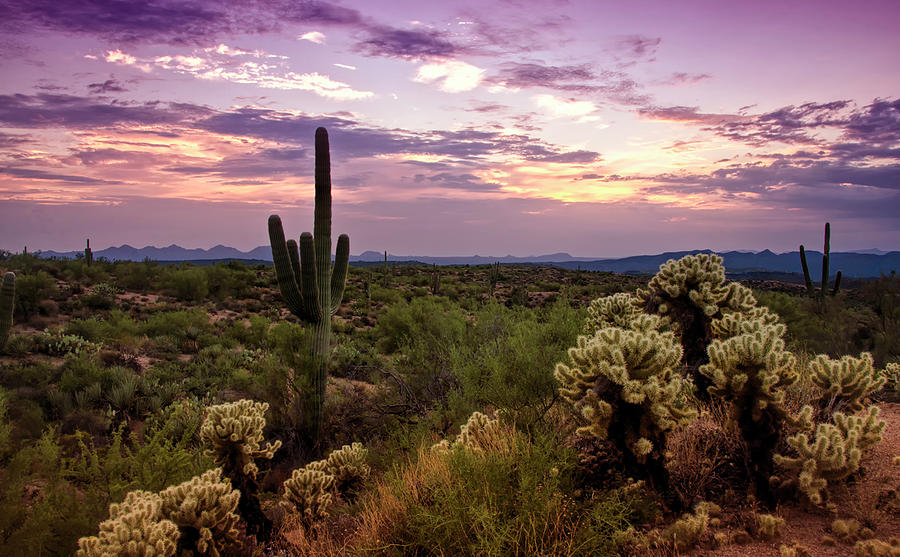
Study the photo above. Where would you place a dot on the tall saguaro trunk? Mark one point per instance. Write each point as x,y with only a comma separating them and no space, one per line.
311,289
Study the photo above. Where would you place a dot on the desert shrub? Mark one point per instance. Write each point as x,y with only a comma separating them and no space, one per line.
434,321
52,496
229,280
505,357
188,284
135,276
31,290
488,503
101,296
176,323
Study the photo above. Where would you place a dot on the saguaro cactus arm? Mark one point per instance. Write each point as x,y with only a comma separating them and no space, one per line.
805,266
339,274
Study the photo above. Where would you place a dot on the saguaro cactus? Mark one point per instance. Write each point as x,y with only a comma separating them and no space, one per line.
7,293
88,254
310,288
826,255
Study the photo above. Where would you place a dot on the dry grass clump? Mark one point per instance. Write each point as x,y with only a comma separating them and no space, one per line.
706,458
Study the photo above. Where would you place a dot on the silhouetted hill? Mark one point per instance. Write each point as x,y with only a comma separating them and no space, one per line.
852,264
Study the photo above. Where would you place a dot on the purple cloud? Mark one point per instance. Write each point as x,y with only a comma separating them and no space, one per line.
108,86
401,43
42,175
46,110
878,123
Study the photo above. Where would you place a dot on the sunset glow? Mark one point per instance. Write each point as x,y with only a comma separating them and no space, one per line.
597,128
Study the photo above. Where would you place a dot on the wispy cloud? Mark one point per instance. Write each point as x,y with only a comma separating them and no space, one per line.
452,76
313,36
582,111
265,74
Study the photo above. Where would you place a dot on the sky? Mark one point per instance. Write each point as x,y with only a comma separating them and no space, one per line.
597,128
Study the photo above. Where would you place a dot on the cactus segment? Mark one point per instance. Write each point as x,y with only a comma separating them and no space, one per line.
7,294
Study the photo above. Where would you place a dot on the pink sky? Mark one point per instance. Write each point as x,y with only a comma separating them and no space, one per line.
457,128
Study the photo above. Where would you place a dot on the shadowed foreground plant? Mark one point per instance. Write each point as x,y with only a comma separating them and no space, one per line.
752,371
135,527
203,508
235,433
625,385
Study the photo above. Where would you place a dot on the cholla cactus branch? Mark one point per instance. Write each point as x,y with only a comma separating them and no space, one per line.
846,382
135,528
624,384
833,454
235,432
308,492
752,370
692,292
203,508
618,310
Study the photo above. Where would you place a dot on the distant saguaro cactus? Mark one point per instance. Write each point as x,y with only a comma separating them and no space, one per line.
88,254
826,255
7,293
310,288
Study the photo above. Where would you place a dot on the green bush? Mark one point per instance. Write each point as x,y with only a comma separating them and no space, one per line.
189,284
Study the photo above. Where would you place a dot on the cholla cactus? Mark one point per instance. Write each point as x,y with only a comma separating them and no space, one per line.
7,293
480,433
752,370
308,492
203,509
768,527
835,452
624,384
891,376
736,323
135,528
617,310
692,292
349,468
235,431
846,382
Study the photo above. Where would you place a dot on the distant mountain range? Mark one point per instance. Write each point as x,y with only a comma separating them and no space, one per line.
860,264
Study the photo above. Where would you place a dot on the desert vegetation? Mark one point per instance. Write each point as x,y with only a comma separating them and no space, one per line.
229,409
591,435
